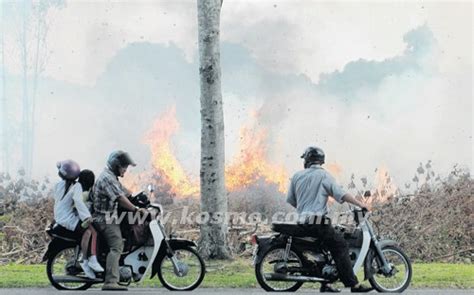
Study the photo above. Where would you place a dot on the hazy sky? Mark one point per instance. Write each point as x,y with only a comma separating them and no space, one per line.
373,83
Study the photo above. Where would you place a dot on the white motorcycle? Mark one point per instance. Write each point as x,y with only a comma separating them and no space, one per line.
175,261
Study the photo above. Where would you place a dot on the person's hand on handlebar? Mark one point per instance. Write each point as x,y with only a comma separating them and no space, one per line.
350,199
142,211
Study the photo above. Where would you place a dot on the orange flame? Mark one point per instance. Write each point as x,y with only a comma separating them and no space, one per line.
163,159
384,186
248,166
251,163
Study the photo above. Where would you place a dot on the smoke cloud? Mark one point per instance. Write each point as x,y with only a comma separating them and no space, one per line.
394,112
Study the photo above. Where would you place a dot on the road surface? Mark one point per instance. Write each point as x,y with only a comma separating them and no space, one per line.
138,291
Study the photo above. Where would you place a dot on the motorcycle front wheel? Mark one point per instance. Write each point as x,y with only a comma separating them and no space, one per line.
64,272
399,278
271,263
190,273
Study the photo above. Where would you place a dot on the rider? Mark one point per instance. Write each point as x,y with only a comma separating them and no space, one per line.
308,193
89,264
108,194
71,212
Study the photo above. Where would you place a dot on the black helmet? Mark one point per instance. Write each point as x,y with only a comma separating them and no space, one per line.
119,159
313,155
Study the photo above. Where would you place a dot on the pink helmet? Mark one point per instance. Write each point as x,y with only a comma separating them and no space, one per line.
68,169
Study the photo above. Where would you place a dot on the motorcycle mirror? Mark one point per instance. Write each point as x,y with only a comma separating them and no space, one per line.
151,188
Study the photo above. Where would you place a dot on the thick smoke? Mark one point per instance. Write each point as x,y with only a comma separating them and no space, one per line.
395,112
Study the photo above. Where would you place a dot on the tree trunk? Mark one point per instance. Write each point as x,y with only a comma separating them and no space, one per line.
213,240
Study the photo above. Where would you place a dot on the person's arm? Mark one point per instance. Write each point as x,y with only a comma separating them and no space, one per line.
350,199
81,208
291,197
333,189
125,203
115,190
116,193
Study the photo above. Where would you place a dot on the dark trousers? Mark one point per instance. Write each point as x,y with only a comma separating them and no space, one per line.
113,237
334,242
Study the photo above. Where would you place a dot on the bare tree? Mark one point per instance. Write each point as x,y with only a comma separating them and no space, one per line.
33,55
5,123
26,114
213,240
39,61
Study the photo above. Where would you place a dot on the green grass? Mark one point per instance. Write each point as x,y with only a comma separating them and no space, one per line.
240,274
17,275
443,275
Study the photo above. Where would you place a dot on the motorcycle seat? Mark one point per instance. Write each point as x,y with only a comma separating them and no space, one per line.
291,229
57,231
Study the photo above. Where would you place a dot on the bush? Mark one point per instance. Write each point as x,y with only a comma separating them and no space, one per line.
435,222
25,211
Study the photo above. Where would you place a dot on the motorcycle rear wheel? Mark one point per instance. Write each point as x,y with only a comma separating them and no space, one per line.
270,258
58,265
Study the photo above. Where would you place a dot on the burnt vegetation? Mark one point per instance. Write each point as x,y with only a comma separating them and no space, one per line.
432,220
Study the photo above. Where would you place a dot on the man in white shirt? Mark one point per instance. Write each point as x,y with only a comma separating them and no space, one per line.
308,193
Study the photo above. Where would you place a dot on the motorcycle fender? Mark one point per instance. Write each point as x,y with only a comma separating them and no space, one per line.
264,244
368,272
181,242
56,245
174,243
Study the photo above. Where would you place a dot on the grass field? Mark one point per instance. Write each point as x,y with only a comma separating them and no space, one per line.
240,274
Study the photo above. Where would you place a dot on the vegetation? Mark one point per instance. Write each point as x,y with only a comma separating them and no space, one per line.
25,210
433,223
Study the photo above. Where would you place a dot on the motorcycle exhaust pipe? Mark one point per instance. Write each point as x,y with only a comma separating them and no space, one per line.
73,279
292,278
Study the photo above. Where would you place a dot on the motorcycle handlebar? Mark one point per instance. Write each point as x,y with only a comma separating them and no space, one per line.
355,211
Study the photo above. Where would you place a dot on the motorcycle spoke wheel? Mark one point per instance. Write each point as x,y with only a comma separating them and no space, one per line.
272,263
65,265
193,275
400,277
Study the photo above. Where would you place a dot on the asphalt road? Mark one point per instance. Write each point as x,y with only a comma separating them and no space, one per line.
136,291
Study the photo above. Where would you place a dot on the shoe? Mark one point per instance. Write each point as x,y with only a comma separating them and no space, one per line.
329,289
113,287
361,289
87,270
94,264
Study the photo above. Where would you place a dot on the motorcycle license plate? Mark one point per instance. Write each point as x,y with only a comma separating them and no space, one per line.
254,255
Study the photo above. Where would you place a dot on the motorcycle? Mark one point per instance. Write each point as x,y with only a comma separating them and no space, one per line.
176,262
284,261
